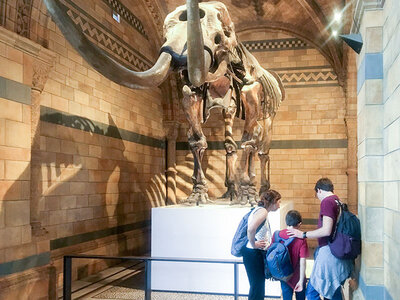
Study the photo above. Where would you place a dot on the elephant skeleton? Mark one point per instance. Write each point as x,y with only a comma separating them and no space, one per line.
216,71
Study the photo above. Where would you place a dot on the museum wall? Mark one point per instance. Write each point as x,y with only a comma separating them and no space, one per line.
379,149
82,159
309,131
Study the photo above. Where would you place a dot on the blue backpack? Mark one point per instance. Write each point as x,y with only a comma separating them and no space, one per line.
277,260
240,239
345,242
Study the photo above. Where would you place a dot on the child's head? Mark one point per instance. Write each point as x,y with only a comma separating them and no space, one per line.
293,218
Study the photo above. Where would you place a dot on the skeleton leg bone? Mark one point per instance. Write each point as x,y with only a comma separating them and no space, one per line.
192,104
247,190
263,154
250,140
231,155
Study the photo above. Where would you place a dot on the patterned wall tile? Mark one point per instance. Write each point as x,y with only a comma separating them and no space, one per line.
115,46
307,76
276,45
127,15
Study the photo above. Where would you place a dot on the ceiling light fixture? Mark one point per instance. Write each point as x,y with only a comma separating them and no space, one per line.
337,17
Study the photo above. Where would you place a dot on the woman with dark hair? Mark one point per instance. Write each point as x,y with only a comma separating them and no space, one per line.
259,240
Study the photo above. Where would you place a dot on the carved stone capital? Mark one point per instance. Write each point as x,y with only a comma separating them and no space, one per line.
171,129
42,59
40,74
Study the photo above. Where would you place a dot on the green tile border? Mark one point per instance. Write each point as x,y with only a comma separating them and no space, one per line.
54,116
283,144
90,236
15,91
24,264
310,221
309,144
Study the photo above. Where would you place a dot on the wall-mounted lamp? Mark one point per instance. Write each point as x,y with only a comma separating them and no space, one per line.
354,41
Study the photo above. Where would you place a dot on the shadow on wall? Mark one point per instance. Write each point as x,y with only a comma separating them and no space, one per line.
214,173
78,193
215,176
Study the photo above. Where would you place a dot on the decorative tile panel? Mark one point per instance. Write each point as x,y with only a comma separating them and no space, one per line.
105,39
307,76
276,45
127,15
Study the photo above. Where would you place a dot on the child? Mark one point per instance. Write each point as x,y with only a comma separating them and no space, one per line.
298,250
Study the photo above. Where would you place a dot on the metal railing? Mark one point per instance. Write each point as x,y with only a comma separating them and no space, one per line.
67,284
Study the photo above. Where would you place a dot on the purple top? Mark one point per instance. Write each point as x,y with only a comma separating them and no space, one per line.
330,209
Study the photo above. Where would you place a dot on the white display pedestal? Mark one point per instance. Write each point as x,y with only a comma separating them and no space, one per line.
203,232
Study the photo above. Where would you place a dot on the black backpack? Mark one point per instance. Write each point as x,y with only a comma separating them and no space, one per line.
345,242
240,239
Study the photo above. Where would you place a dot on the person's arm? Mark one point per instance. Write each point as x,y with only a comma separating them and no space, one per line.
325,230
300,284
258,217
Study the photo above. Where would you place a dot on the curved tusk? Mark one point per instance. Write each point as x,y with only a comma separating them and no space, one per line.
195,45
100,60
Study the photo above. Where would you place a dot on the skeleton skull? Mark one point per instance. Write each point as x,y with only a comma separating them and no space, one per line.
217,30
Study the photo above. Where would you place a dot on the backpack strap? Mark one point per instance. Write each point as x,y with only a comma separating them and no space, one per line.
278,239
340,204
252,211
289,241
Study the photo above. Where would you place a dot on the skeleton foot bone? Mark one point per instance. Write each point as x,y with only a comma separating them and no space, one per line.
199,195
247,194
231,194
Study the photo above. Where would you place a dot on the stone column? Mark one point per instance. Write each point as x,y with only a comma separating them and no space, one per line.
370,120
171,128
351,128
40,75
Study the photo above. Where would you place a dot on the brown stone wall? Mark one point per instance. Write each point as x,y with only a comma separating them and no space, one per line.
309,133
14,179
94,182
17,245
100,153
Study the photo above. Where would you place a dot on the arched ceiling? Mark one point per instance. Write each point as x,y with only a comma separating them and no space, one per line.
307,19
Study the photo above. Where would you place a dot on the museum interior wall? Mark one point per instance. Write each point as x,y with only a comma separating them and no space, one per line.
82,159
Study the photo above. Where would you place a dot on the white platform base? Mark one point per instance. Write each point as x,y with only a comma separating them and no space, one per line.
201,232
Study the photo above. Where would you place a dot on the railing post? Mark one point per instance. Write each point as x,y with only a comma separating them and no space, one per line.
67,278
147,279
236,281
